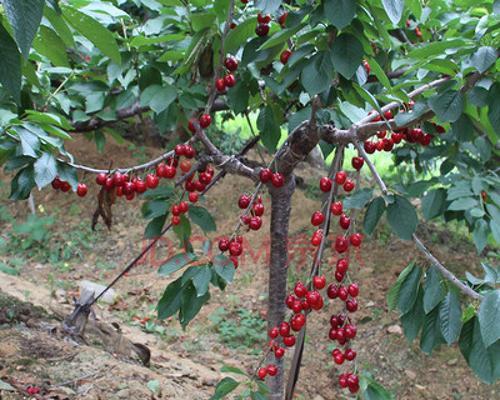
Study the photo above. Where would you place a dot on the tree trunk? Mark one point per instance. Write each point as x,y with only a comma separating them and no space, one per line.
281,204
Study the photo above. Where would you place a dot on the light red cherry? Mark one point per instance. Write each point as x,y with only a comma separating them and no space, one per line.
278,179
229,80
272,370
231,63
205,120
344,221
336,208
81,189
341,244
342,265
255,223
265,175
325,184
100,179
340,177
289,341
357,163
152,181
356,239
262,373
300,289
224,244
319,282
317,218
349,185
235,249
353,289
193,197
220,85
285,55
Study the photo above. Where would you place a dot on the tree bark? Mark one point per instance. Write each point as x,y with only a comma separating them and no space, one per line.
281,204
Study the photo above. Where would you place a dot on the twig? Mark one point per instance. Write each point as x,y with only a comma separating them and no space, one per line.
372,168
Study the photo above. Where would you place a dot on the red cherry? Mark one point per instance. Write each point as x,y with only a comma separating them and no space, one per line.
317,238
244,201
274,332
381,134
224,244
191,125
396,137
388,144
193,197
183,207
356,239
357,163
189,151
319,282
231,63
297,322
289,341
351,305
349,185
81,189
175,210
235,249
426,139
262,30
343,381
300,290
128,188
284,329
339,276
185,166
176,220
258,209
336,208
109,184
350,354
65,187
367,67
325,184
56,183
440,129
332,291
388,114
239,239
272,370
317,218
338,358
344,221
279,352
350,331
140,186
379,145
230,80
205,178
255,223
285,55
341,244
220,85
265,175
278,179
169,172
343,293
342,265
314,299
118,179
152,181
205,120
180,150
101,179
262,373
290,300
340,177
245,219
282,19
263,19
369,147
353,289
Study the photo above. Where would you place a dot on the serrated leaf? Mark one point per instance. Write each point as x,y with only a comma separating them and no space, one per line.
317,73
489,317
450,317
201,217
394,9
347,54
402,217
176,262
393,293
434,289
434,203
158,98
170,302
375,210
224,268
408,291
201,280
358,200
484,58
340,13
10,64
224,387
45,170
412,321
431,333
448,105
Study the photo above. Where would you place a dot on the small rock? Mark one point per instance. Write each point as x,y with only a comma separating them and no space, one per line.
109,297
452,362
123,394
411,374
395,330
60,295
420,387
370,304
318,397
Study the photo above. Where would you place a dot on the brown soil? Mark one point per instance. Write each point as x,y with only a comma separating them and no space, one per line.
187,363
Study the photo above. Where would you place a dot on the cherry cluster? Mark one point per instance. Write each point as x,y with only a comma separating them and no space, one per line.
227,81
63,186
263,21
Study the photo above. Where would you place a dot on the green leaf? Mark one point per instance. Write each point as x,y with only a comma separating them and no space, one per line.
435,48
408,291
30,143
22,184
450,317
402,217
480,234
176,262
224,387
269,127
51,46
191,304
434,289
489,317
375,210
201,21
377,70
431,333
347,54
158,98
463,203
484,58
413,320
170,302
59,26
448,105
232,370
407,118
340,13
394,9
154,208
494,104
45,170
239,35
154,227
10,65
358,200
183,230
434,203
224,268
87,26
5,386
201,217
317,73
9,271
280,37
25,17
394,291
201,280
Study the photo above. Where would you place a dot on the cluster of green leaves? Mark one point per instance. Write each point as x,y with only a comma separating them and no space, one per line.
431,308
187,294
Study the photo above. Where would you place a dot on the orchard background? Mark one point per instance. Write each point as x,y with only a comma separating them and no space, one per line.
281,199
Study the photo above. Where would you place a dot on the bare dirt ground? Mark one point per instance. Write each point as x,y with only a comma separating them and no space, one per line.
186,364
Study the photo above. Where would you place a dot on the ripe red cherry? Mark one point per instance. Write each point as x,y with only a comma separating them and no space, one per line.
263,19
185,165
152,181
109,184
343,293
285,56
349,185
265,175
325,184
367,67
379,145
81,189
56,183
205,120
290,300
396,137
332,291
258,209
300,290
351,305
388,144
341,244
369,147
235,249
170,172
319,282
425,140
193,197
189,151
279,352
278,179
244,201
344,221
289,341
342,265
176,220
317,218
231,63
350,331
339,276
440,129
191,125
180,150
317,237
388,114
128,188
255,223
100,179
272,370
262,30
350,354
230,80
274,332
343,381
356,239
282,19
340,177
338,358
357,163
284,329
381,134
118,179
353,289
183,207
220,85
297,322
224,244
336,208
175,210
65,187
262,373
140,186
314,299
